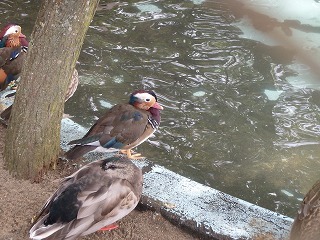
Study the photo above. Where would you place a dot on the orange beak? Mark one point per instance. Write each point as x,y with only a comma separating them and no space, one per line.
157,105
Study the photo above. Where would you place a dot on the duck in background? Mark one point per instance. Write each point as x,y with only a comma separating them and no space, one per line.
123,127
14,44
13,47
306,225
93,198
73,85
9,29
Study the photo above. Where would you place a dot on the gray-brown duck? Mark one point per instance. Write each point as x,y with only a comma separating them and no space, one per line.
97,195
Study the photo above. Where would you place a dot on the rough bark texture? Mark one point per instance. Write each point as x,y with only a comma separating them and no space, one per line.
33,136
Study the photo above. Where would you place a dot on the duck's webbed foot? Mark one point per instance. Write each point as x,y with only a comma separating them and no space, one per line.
135,156
110,227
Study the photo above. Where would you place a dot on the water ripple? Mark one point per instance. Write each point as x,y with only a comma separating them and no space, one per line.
297,120
218,127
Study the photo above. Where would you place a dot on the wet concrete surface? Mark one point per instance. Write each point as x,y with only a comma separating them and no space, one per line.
196,207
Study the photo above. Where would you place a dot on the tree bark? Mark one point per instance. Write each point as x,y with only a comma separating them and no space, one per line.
33,135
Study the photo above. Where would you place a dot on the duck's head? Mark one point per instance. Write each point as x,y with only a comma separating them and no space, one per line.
12,36
120,167
145,100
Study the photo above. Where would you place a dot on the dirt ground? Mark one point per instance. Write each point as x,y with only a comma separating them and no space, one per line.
20,201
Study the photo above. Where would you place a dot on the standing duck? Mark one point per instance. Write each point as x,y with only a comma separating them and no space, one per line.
93,198
123,127
13,46
306,225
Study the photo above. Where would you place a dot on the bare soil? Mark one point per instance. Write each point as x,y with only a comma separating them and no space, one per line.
20,200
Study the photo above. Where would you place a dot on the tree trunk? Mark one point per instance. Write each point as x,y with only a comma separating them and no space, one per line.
33,134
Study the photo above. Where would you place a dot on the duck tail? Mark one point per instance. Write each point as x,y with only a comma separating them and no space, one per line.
39,231
78,151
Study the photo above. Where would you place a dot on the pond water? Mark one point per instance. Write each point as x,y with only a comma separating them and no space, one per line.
241,108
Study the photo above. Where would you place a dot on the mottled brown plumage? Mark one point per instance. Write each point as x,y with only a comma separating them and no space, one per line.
73,85
97,195
306,225
123,127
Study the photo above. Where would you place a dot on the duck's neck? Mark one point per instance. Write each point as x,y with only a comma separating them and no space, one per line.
13,42
155,114
23,41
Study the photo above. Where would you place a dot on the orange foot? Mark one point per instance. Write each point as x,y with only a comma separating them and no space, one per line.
135,156
110,227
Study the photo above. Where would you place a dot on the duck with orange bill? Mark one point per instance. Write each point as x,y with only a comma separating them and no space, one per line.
122,128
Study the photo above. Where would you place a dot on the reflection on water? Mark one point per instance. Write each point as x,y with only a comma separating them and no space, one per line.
232,118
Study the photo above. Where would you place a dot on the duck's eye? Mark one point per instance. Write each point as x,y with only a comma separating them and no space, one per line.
148,100
112,167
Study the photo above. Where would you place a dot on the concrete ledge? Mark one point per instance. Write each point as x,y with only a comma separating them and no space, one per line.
209,212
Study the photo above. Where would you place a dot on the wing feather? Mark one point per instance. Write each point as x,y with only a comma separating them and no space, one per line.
123,122
111,209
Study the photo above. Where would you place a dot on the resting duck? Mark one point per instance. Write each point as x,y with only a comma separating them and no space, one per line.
97,195
13,46
123,127
307,223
